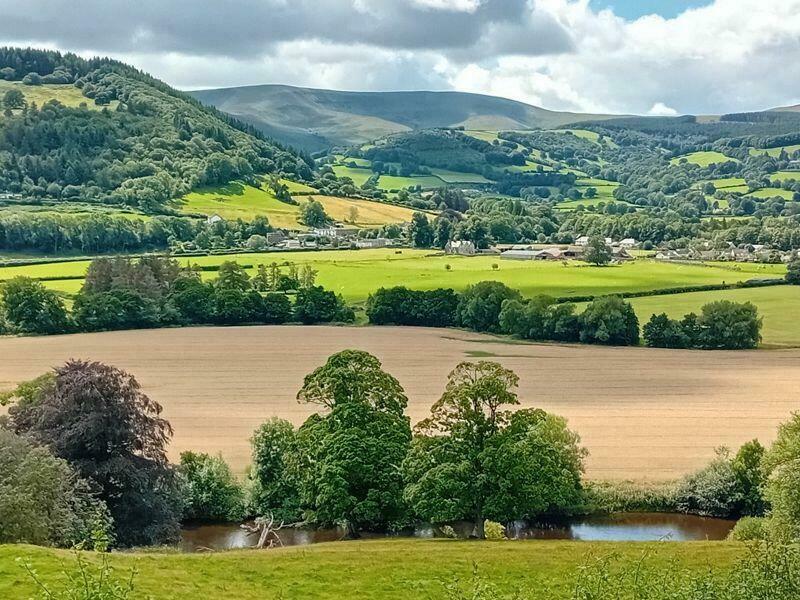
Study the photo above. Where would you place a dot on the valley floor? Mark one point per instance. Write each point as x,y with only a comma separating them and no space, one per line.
643,413
394,569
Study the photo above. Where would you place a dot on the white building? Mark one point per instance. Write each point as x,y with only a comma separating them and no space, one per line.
462,247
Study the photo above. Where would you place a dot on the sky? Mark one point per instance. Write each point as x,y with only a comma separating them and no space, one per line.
662,57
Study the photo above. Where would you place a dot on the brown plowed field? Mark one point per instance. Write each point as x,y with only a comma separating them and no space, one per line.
642,413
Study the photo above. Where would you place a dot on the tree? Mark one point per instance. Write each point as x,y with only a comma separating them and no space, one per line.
42,500
609,320
729,325
274,477
116,309
353,451
312,214
29,307
211,490
480,305
473,459
97,418
597,251
793,272
444,231
420,231
13,98
781,466
540,318
662,332
193,299
318,305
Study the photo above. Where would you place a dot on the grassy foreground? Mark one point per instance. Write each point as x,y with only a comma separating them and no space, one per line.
386,569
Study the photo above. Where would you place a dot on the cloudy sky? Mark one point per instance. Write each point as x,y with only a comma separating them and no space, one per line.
621,56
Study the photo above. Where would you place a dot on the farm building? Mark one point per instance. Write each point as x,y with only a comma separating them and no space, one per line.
462,247
373,243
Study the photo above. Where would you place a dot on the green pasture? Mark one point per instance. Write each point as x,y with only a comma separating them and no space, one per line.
237,200
703,159
65,93
774,152
726,184
358,175
357,273
770,192
778,305
581,133
298,188
459,176
785,175
396,182
386,569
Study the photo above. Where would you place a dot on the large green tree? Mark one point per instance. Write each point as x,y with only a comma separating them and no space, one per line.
473,459
597,251
352,452
97,418
782,486
29,307
480,305
42,500
609,320
420,231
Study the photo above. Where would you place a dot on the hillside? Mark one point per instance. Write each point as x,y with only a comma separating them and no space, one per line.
102,132
315,119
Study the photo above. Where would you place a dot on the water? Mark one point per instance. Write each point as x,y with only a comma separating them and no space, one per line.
622,527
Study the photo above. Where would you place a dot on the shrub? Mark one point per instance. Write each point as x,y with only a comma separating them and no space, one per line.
402,306
211,491
793,272
749,529
29,307
494,530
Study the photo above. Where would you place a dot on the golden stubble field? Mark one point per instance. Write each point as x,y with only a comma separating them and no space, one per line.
642,413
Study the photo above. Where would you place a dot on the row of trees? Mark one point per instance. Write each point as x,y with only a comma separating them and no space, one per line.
493,307
721,325
90,433
155,292
359,464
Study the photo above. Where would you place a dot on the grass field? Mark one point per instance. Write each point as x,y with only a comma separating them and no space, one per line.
785,175
771,193
358,175
237,200
775,152
642,413
391,569
396,182
703,159
779,306
459,176
727,184
356,274
67,94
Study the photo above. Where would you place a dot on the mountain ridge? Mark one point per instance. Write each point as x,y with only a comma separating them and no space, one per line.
316,119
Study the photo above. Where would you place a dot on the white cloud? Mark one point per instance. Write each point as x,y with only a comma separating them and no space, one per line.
660,109
729,56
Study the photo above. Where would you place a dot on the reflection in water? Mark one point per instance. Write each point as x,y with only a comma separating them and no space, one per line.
617,527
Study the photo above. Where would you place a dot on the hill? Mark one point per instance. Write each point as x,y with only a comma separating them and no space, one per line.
315,119
101,131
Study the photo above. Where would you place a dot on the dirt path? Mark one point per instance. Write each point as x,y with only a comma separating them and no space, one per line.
642,413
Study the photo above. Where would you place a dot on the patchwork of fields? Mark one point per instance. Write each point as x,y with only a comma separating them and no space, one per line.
642,413
356,274
240,201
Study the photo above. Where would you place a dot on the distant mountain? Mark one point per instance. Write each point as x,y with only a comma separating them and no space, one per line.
314,119
795,108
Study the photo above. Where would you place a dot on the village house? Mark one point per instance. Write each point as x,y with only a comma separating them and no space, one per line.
461,247
214,219
373,243
336,232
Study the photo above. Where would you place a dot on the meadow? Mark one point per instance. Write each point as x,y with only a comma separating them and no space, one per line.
642,413
67,94
775,152
703,159
386,569
357,273
239,201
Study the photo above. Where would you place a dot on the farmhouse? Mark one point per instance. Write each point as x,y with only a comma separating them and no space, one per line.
373,243
214,219
462,247
335,232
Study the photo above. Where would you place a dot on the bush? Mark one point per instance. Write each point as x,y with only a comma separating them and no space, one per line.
609,320
42,500
211,492
793,272
276,309
749,529
494,530
662,332
713,491
480,305
630,496
540,318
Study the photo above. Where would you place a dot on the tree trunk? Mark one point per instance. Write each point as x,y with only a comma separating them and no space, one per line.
480,529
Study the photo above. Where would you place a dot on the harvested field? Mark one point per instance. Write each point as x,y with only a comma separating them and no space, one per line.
642,413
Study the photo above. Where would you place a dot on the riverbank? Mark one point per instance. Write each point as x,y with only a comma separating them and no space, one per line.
385,569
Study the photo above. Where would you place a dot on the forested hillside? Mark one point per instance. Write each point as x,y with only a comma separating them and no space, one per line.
146,145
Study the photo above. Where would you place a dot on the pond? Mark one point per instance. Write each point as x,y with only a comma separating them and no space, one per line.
619,527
